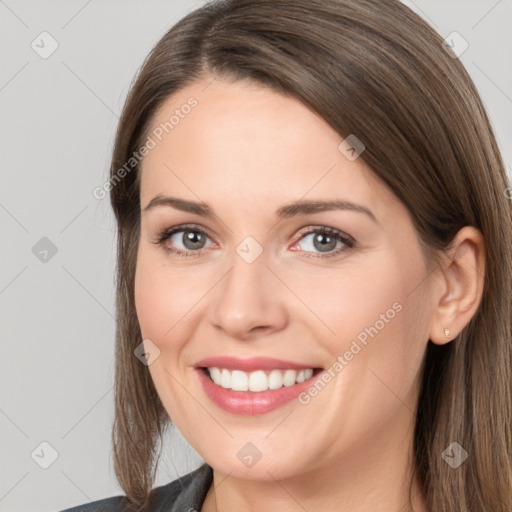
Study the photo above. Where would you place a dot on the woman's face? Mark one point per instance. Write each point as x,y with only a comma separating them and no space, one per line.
300,257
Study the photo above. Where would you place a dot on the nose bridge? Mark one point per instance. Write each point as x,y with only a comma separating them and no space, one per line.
247,299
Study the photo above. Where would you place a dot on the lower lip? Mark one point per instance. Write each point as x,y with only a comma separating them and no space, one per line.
248,403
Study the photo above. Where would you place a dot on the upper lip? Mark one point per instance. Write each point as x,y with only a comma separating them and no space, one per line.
251,364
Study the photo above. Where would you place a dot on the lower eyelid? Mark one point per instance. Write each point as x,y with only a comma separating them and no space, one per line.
320,255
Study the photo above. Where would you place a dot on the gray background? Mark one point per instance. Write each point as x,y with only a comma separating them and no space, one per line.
58,120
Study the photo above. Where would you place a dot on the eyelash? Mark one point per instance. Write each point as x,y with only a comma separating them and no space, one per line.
347,240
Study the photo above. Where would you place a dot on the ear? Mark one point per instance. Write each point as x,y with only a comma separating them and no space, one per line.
460,286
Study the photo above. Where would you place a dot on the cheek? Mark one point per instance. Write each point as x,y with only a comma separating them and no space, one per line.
386,315
373,309
151,297
162,303
381,333
352,298
161,300
168,300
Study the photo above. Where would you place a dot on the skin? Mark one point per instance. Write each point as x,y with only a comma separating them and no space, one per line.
246,150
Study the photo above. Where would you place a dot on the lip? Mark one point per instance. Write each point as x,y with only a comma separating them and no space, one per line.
252,364
248,403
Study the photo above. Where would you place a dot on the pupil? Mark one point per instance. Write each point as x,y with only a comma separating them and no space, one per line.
193,240
324,242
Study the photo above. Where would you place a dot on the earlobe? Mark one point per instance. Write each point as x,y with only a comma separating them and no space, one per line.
460,287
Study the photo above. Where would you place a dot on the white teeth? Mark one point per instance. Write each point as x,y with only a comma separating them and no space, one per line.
215,375
225,379
289,377
275,380
259,380
239,381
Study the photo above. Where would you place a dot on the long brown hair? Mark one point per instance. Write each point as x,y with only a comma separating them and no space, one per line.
377,70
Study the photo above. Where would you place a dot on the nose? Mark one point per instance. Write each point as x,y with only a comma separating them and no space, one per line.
249,301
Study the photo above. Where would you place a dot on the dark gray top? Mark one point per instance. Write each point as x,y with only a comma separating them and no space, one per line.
186,494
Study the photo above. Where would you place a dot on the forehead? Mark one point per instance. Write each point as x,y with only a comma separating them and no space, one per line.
244,143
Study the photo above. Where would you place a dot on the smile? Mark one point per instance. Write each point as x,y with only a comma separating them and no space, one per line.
259,380
255,386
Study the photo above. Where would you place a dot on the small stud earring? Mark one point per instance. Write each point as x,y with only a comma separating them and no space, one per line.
447,333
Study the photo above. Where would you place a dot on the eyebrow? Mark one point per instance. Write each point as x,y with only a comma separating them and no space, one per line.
296,208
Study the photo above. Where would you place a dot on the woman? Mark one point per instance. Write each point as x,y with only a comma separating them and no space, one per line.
314,267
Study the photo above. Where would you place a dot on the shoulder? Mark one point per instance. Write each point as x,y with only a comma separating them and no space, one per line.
184,493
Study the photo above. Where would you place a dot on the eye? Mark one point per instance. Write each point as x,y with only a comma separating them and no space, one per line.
315,242
188,239
323,242
185,240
